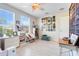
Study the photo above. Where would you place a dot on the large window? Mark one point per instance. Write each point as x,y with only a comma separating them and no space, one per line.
7,21
25,23
6,18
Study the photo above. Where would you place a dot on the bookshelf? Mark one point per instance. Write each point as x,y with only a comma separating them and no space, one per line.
74,18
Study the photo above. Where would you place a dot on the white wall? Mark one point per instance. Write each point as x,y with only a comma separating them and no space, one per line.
55,35
63,24
52,34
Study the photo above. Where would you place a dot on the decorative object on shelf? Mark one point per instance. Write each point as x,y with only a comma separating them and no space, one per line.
49,23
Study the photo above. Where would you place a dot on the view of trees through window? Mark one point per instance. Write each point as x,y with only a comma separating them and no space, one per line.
1,31
6,22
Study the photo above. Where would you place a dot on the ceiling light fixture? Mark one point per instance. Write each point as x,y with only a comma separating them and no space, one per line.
61,9
35,6
46,13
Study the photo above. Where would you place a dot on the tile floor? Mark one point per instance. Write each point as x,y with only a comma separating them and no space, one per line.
39,48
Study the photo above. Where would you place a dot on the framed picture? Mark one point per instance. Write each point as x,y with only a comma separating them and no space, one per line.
49,23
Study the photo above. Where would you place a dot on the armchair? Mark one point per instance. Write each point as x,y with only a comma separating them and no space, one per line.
45,37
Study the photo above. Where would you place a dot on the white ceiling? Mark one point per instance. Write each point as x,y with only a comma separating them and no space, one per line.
46,8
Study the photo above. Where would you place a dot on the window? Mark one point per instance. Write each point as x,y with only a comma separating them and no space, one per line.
7,21
25,23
